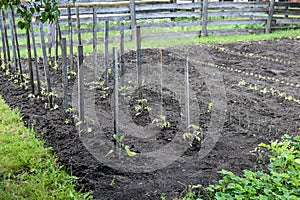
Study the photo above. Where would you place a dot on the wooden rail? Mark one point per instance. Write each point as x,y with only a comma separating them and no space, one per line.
196,19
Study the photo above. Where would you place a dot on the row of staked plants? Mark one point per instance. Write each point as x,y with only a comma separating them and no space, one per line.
281,179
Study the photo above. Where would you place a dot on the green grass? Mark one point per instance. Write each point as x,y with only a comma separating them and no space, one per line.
27,169
169,41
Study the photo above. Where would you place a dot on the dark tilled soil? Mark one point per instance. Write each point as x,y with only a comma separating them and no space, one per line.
236,97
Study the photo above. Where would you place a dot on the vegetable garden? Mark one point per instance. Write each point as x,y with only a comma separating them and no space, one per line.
149,123
241,94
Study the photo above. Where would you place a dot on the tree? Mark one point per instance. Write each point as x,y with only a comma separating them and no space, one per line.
44,10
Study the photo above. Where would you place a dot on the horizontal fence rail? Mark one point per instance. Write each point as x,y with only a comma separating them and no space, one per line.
161,16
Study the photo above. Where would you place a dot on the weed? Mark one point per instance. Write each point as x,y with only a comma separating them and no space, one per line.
113,181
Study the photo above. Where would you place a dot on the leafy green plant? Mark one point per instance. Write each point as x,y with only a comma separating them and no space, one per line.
161,122
71,73
99,86
56,66
122,145
242,82
142,106
209,107
281,181
191,194
196,133
163,197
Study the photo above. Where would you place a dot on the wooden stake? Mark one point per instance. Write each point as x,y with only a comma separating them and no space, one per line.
122,54
160,61
78,25
30,60
6,40
18,48
70,31
36,61
106,38
13,43
95,39
80,87
46,66
116,110
139,59
64,74
187,92
56,42
3,41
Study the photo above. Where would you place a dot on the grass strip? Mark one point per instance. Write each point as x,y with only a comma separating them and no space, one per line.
28,170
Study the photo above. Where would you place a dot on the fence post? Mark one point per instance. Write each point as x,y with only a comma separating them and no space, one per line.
80,87
36,61
46,66
70,31
270,16
95,39
122,59
64,74
3,41
204,17
173,10
78,25
138,59
133,19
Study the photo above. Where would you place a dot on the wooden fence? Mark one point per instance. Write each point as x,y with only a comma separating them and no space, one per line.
162,18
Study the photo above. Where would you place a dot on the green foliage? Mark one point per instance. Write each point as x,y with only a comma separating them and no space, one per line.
191,194
196,133
142,106
282,181
161,122
210,106
46,10
122,145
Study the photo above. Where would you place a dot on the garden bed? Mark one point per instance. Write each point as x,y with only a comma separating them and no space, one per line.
242,94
